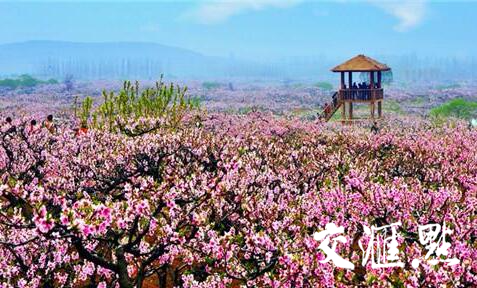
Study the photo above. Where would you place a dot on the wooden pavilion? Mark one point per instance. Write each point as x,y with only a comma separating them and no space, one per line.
370,92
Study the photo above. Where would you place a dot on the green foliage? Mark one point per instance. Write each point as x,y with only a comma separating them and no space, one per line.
391,105
245,110
418,100
458,108
324,85
51,81
211,85
24,80
249,109
85,112
165,102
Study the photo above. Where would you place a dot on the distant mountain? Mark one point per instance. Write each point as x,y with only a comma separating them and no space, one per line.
112,60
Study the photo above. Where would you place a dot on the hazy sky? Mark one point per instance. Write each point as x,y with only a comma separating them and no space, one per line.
261,29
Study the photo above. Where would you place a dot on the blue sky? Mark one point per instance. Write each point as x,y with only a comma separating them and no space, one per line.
260,29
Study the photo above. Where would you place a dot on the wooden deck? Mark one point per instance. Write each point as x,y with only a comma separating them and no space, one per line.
361,95
344,98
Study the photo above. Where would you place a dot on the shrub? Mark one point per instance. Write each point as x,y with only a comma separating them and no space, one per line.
134,111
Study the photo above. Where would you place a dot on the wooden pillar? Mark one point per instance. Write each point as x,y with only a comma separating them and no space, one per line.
350,111
371,108
342,80
380,109
379,79
350,79
343,112
371,86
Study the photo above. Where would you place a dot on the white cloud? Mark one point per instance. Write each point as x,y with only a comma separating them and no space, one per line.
212,12
410,13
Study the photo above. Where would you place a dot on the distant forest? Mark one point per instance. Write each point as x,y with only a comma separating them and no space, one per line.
404,70
52,59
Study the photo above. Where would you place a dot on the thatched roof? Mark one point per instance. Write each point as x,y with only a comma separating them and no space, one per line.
361,63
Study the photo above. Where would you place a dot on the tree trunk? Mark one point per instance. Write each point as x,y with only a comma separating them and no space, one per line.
163,277
124,280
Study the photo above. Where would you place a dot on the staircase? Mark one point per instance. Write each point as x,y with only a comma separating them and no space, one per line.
333,106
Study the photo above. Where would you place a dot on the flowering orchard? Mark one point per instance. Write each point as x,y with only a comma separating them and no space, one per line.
231,201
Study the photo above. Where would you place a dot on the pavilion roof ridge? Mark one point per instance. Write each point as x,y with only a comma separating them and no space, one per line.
361,63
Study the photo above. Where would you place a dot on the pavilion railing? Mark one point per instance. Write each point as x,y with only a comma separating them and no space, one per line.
361,94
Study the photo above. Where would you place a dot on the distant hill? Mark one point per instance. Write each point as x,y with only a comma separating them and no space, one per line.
111,60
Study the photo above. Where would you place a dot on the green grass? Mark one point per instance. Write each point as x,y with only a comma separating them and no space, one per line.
362,110
419,100
392,106
457,108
